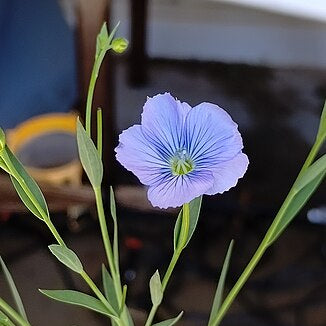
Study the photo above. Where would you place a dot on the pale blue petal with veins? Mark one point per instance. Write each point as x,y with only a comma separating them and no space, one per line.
181,152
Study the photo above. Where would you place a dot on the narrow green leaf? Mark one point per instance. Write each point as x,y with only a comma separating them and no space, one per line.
170,322
89,156
115,228
123,300
194,208
78,299
13,289
109,289
112,34
313,171
220,286
322,123
102,40
5,321
2,139
295,205
25,199
112,205
16,168
67,257
4,166
155,287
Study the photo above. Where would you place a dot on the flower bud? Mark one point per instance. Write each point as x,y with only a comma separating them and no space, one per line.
2,139
119,45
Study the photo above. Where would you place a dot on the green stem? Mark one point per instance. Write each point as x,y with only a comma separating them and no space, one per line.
151,315
101,297
182,241
91,87
266,241
13,314
108,249
104,229
54,232
99,132
97,292
180,246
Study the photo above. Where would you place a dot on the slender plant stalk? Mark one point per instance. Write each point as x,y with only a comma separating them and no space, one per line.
116,249
104,229
182,241
91,88
113,263
108,250
264,245
181,244
54,232
13,314
96,290
98,194
99,132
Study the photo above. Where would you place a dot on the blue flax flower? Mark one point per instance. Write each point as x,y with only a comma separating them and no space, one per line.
181,152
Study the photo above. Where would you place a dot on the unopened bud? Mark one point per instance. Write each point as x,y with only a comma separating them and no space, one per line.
119,45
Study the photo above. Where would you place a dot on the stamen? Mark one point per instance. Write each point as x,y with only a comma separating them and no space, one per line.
181,163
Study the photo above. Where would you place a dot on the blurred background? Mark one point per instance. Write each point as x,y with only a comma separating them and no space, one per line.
263,61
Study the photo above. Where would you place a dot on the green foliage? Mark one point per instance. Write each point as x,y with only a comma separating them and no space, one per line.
102,40
115,228
89,156
123,300
194,208
109,289
220,287
2,139
13,289
4,166
114,30
79,299
322,124
170,322
298,201
155,287
26,187
67,257
5,321
314,170
113,208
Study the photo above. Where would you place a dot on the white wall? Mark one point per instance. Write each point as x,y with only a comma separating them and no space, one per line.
207,30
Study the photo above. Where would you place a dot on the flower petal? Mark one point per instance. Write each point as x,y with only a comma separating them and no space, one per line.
211,136
139,156
226,174
174,191
162,121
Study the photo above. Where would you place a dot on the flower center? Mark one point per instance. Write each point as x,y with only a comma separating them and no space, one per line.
181,163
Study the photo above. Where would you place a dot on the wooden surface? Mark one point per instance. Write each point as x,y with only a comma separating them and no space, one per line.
58,198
